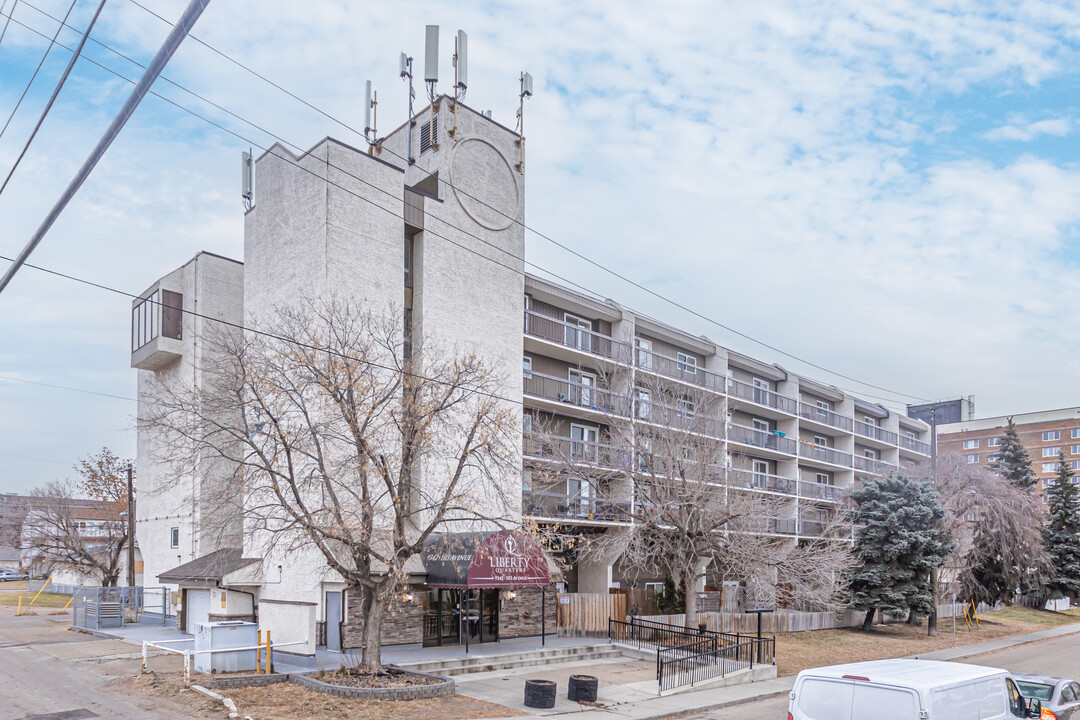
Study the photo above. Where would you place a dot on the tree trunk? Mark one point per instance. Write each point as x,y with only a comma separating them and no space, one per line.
375,602
868,621
912,618
931,622
690,591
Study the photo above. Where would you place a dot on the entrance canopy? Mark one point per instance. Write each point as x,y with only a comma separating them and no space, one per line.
502,559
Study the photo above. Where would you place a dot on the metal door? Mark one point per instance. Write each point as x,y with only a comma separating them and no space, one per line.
333,620
197,609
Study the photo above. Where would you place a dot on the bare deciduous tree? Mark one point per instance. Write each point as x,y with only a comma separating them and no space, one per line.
690,511
347,444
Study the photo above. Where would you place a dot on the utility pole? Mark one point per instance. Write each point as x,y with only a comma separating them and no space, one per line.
131,528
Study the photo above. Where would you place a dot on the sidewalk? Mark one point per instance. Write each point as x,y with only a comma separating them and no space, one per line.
699,701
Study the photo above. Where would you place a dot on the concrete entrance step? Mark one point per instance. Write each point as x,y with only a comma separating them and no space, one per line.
506,661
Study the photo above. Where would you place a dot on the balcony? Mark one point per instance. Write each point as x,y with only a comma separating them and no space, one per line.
761,439
157,325
761,396
574,393
825,417
874,467
563,506
583,452
824,454
679,370
819,491
914,445
574,337
875,433
749,479
687,418
781,526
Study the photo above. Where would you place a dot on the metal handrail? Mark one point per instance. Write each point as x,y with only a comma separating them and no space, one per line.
760,438
819,491
761,396
676,369
574,336
876,433
749,479
574,393
825,417
872,465
537,503
824,454
916,445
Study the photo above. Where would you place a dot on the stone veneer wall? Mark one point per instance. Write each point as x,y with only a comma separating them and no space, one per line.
512,620
402,625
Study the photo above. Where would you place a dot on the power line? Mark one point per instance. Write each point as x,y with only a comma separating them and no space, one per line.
34,459
165,52
56,91
375,187
40,63
60,387
8,21
542,235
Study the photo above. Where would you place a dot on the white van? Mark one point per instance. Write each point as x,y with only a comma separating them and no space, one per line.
908,690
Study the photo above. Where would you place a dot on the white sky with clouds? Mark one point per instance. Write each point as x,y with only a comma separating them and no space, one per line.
890,190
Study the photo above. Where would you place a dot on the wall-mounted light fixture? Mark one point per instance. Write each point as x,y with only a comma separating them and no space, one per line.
407,597
513,594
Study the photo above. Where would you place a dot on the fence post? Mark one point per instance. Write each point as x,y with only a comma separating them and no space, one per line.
269,654
143,657
187,668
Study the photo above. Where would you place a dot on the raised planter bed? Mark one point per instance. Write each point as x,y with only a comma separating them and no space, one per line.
395,685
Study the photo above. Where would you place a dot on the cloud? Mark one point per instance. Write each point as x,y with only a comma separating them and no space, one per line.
1026,132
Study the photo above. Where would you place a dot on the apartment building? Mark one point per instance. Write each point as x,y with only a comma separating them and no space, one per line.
1044,435
442,240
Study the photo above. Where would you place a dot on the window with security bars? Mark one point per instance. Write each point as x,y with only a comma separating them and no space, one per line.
429,134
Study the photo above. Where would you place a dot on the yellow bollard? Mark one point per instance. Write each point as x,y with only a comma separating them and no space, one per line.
269,655
20,606
69,603
42,589
258,655
975,613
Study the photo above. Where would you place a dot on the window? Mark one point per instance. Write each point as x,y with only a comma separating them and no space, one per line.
174,537
1050,435
1051,451
759,424
583,442
644,404
1049,467
971,444
429,134
687,363
823,405
993,442
823,409
582,388
1075,464
577,332
872,454
970,517
972,459
761,391
824,479
526,423
870,421
158,314
685,409
761,474
1075,449
1076,433
993,458
821,441
658,587
911,435
526,366
644,353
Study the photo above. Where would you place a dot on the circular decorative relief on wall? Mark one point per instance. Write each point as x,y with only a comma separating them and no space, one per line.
484,183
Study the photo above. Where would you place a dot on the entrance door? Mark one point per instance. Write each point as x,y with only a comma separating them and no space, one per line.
333,620
196,609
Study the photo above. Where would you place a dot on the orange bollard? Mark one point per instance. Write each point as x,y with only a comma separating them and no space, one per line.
258,655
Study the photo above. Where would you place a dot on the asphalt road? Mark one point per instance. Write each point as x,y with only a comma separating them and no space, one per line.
1052,657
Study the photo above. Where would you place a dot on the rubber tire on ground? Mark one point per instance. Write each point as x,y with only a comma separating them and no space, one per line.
540,694
582,688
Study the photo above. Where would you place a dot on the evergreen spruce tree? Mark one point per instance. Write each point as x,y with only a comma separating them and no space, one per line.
1013,462
1062,534
900,540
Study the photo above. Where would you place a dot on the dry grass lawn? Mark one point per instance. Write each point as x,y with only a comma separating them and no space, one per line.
797,651
45,600
14,584
286,701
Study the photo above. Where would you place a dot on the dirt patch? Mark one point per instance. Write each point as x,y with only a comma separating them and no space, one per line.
286,701
388,679
798,651
165,690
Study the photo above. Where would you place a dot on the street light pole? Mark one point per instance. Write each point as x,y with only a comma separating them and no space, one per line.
131,528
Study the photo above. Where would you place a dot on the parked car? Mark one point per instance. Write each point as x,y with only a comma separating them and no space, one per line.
1059,696
6,575
909,690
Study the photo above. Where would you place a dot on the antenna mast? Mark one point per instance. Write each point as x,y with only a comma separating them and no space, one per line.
406,72
247,179
371,117
526,91
431,75
461,73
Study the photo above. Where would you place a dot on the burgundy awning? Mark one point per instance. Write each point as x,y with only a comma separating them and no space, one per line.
502,559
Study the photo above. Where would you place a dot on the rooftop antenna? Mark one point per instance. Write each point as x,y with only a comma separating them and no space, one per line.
406,72
526,91
371,117
431,76
247,179
461,73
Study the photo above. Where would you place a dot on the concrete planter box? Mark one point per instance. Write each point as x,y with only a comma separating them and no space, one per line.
445,687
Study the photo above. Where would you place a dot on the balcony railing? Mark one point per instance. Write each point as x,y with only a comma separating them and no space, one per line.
818,491
916,445
585,452
574,336
761,396
760,438
760,481
536,503
781,526
811,528
679,370
574,393
870,465
825,417
683,417
824,454
873,431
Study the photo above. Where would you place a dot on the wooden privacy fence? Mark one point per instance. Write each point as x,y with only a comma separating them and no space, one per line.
587,614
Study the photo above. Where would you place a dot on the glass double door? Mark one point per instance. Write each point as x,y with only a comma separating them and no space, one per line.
451,615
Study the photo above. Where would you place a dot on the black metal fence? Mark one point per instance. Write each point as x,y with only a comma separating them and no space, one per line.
685,656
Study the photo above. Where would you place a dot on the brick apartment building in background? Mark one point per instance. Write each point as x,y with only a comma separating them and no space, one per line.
1044,434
